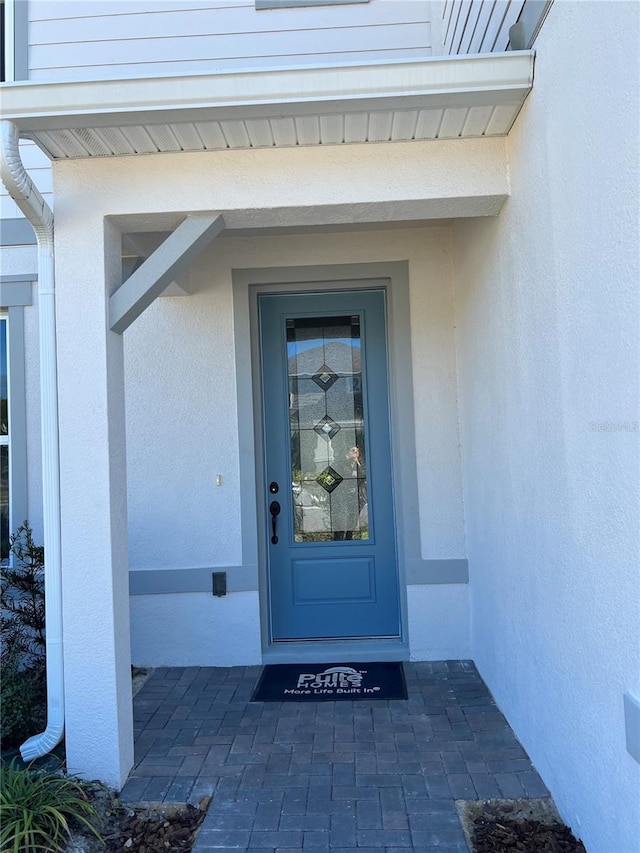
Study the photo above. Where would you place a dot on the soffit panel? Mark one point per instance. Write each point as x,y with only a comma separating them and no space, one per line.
336,129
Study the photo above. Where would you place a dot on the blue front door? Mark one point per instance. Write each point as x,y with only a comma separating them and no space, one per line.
331,546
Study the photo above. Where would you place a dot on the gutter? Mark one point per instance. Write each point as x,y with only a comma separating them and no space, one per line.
25,194
486,79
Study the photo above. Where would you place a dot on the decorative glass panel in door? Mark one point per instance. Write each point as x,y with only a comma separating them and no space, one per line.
328,456
331,532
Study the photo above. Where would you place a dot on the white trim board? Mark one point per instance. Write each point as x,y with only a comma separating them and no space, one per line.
15,47
451,97
15,295
442,81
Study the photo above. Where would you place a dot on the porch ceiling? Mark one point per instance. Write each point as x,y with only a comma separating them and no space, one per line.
435,98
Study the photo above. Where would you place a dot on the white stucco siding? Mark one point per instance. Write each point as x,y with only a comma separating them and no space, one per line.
304,186
179,359
182,430
102,39
194,629
439,625
182,410
547,317
93,503
179,356
435,399
181,433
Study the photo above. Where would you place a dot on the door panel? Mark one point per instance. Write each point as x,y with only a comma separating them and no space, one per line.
331,547
317,580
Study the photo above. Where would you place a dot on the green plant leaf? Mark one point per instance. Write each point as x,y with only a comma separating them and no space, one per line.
36,808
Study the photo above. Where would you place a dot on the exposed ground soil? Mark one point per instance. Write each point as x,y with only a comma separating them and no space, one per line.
138,829
491,826
146,831
504,836
151,829
518,826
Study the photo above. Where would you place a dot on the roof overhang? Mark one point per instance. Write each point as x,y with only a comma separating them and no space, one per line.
435,98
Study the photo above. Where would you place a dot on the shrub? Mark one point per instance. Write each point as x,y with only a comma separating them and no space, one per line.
23,682
37,808
22,599
23,695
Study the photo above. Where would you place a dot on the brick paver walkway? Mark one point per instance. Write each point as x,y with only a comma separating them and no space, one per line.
362,775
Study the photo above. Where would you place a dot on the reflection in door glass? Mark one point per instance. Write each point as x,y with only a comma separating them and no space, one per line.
328,458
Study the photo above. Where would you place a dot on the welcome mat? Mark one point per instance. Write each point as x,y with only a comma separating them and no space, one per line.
304,682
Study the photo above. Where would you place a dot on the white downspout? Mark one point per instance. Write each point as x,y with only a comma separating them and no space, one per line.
25,194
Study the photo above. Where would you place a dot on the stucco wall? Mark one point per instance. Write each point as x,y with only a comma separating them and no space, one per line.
195,629
547,317
182,432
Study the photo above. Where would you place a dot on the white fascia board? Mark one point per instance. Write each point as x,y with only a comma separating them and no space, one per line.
472,80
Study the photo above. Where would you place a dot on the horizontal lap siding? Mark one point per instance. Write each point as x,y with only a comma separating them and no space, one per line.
478,26
90,39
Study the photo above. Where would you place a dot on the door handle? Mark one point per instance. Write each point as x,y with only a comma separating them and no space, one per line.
274,509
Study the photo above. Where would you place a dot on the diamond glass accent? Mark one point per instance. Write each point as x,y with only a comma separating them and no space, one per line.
325,378
326,420
329,479
327,427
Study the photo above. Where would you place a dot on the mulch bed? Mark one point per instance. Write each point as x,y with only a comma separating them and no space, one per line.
137,829
145,831
503,835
